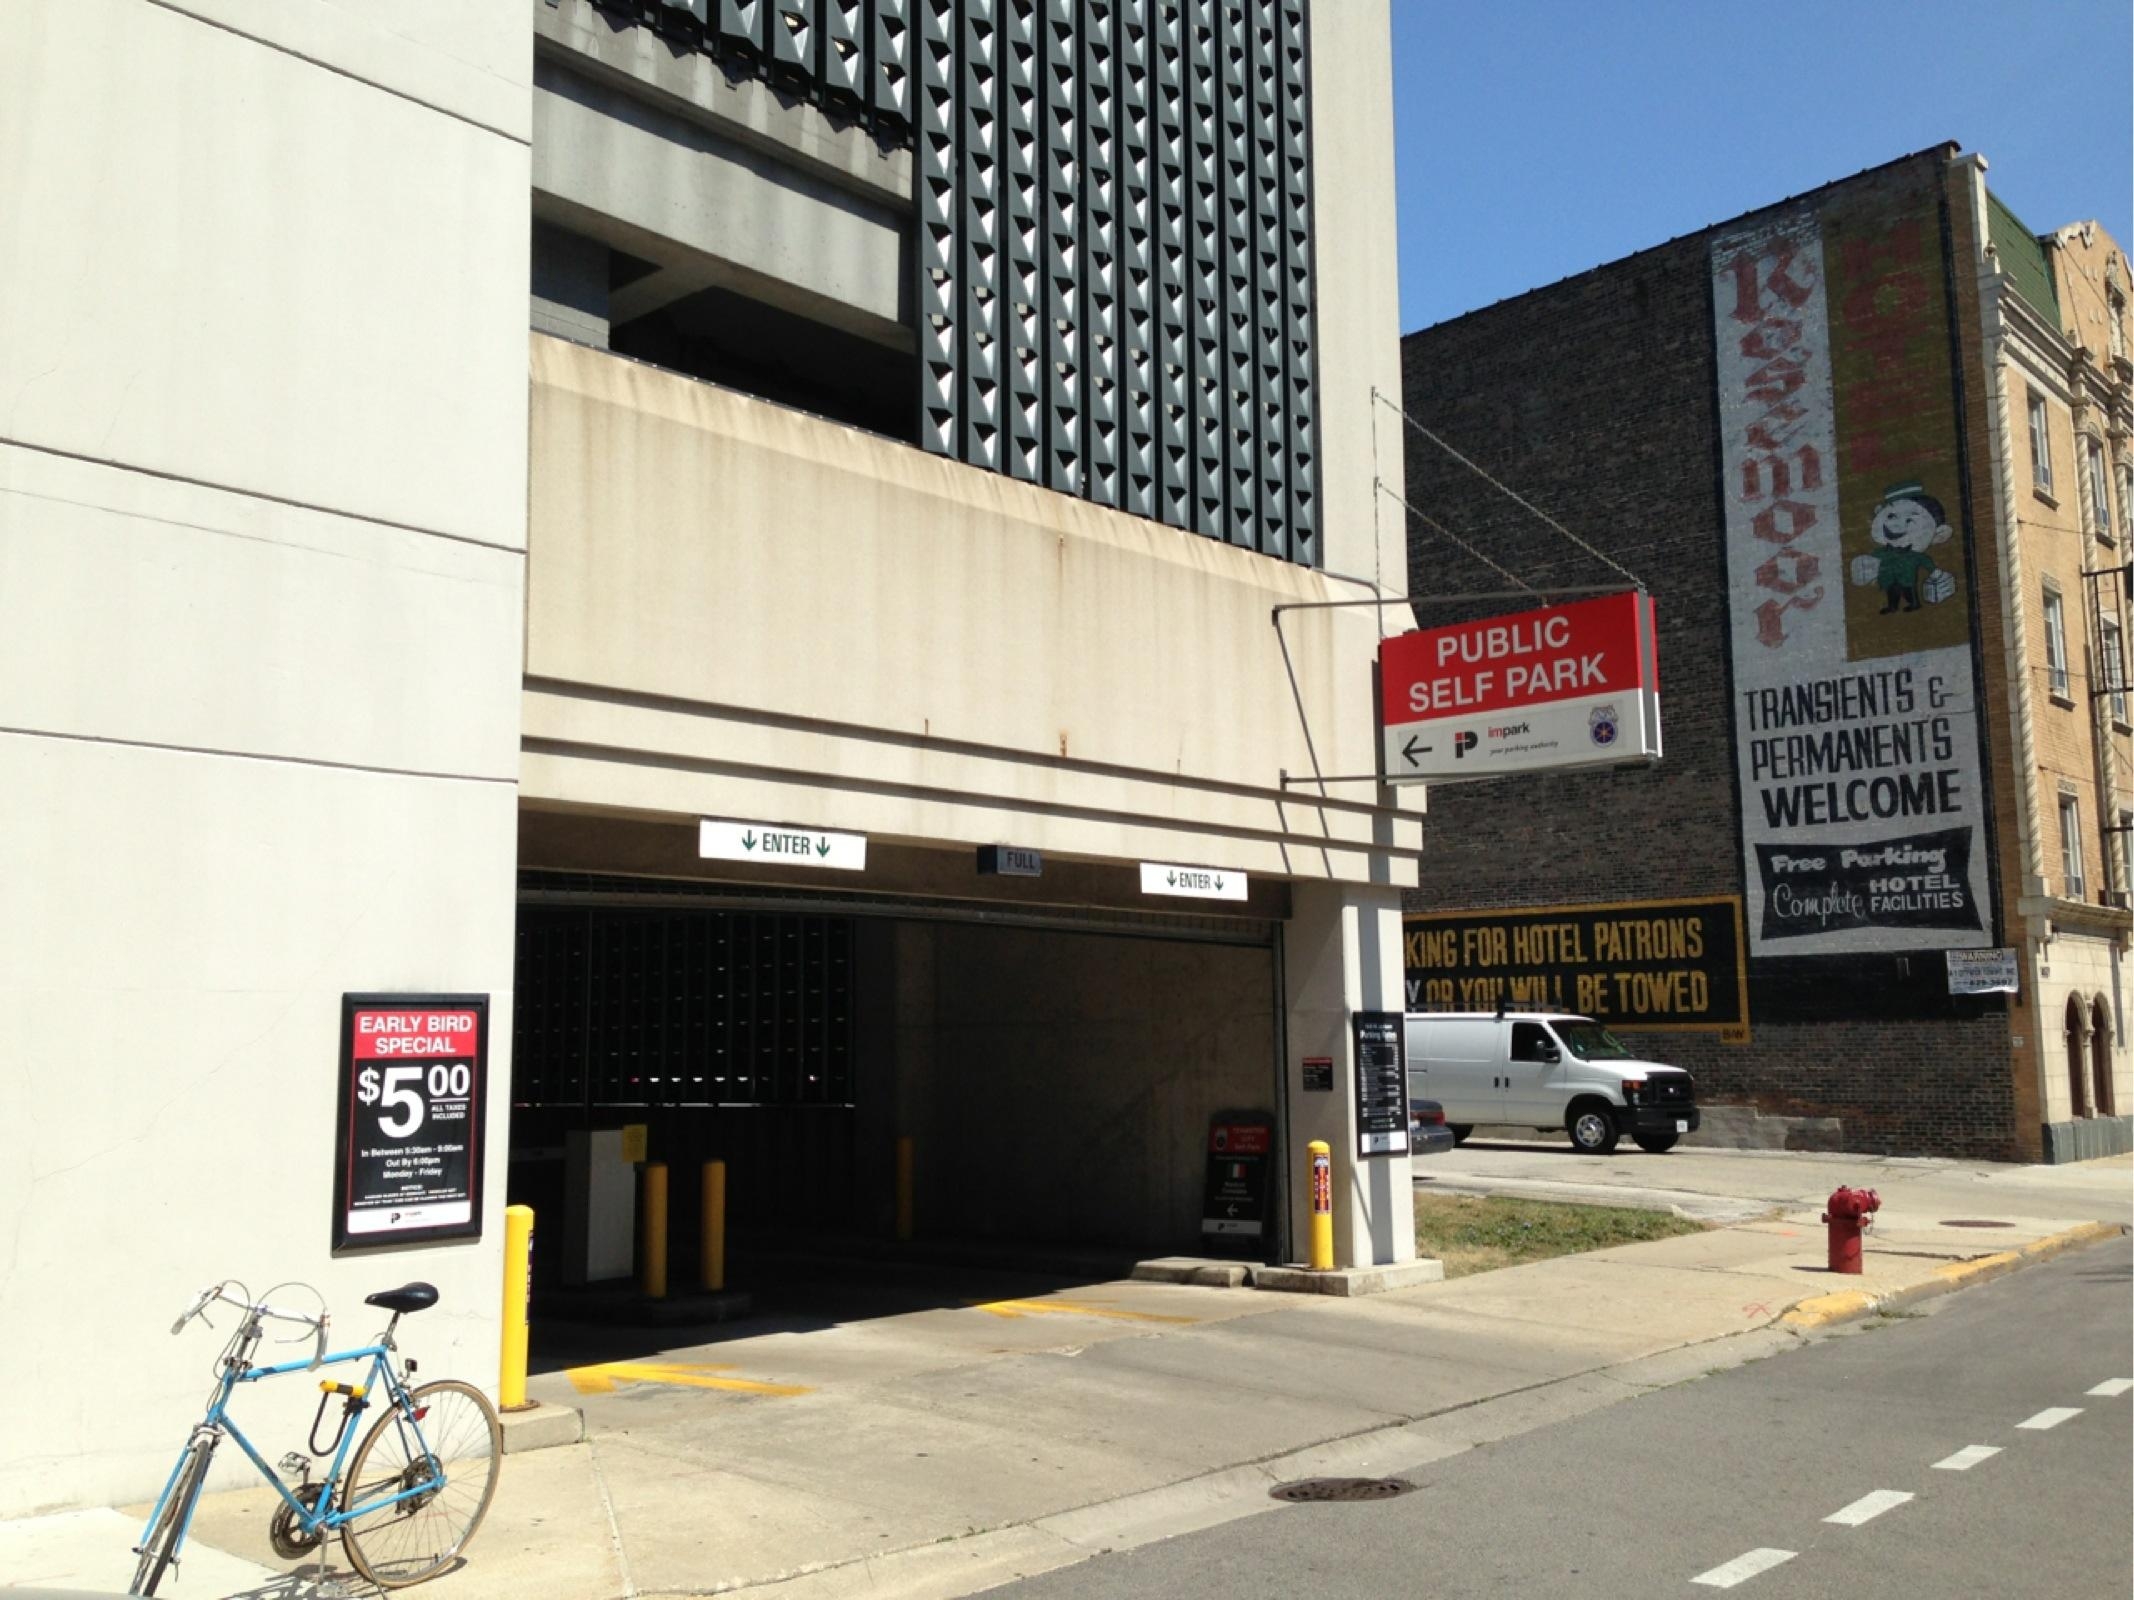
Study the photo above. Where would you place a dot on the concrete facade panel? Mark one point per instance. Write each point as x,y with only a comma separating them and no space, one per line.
469,61
759,564
759,222
227,622
181,930
1357,277
294,287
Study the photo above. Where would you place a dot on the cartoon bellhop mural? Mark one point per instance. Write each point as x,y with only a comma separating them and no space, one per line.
1855,719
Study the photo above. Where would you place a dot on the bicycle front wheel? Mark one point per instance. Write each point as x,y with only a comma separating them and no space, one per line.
160,1548
447,1456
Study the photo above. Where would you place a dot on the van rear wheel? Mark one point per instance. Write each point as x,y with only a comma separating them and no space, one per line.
1460,1131
1591,1125
1656,1143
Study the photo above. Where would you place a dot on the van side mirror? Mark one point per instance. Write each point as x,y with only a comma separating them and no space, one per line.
1551,1054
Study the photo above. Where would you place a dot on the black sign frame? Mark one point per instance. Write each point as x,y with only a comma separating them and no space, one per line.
1381,1083
346,1119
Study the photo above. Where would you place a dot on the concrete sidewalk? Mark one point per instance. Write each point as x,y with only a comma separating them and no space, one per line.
938,1451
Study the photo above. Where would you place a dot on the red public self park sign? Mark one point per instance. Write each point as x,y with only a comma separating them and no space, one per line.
1574,685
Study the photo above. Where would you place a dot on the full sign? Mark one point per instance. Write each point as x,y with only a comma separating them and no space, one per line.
779,844
1575,685
413,1093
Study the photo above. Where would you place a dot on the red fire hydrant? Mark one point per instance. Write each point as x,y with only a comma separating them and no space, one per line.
1851,1213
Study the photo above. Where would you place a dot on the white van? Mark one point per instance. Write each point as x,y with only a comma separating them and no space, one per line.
1546,1070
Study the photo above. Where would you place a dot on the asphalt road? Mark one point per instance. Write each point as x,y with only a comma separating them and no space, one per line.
1739,1476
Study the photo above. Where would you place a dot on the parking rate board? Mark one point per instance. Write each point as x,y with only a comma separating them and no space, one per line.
1574,685
413,1093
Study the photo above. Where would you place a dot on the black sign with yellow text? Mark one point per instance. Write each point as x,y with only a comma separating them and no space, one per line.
1645,966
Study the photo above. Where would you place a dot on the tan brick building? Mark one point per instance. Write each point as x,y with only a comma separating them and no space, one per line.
2054,357
1898,770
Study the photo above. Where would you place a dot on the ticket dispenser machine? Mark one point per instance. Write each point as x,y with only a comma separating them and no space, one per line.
599,1207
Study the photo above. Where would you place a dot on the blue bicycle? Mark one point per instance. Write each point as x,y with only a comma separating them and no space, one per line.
413,1493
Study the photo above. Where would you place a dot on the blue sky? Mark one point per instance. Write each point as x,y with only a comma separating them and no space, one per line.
1538,138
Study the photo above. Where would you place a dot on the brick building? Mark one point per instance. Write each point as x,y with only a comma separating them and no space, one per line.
1807,432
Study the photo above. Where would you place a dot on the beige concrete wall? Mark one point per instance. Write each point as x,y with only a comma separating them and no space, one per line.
261,517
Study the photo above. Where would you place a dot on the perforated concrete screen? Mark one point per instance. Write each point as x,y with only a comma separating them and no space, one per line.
1112,236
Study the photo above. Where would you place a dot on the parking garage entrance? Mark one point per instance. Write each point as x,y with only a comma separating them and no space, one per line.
1053,1071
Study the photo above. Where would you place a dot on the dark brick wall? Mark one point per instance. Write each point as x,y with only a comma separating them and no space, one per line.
1595,399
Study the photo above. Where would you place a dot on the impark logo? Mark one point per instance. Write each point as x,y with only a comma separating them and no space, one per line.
1462,742
1510,730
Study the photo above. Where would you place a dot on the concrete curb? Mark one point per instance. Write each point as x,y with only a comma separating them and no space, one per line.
1825,1310
541,1427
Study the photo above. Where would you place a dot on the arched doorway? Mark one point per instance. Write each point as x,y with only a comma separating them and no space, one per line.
2101,1057
2078,1066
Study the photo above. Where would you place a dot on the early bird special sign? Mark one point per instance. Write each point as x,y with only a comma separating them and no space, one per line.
1574,685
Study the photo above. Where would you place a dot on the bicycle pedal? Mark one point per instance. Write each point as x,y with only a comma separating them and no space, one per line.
297,1462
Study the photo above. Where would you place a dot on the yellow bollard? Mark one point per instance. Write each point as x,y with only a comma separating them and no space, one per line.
904,1189
518,1290
652,1267
1322,1205
713,1263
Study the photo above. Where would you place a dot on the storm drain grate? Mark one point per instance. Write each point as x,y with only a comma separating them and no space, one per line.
1309,1489
1973,1222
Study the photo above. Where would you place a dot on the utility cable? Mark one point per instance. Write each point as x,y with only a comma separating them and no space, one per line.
1506,490
1434,525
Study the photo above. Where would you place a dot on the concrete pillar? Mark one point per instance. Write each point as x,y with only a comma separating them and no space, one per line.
1341,955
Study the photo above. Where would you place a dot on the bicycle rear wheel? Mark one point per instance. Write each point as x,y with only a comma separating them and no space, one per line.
420,1536
160,1548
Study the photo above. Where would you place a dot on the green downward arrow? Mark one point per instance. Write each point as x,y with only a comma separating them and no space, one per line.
1171,878
1218,883
748,840
822,847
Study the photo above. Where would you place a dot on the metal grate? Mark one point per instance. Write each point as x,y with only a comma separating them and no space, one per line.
682,1008
1112,245
1308,1490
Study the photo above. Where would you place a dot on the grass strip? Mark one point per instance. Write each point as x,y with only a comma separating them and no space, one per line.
1471,1234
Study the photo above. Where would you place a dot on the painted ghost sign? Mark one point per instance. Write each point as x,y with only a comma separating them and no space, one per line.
1855,722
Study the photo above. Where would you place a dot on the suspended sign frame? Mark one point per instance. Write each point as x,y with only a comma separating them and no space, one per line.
1563,687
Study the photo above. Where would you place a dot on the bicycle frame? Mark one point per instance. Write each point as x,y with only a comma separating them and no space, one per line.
217,1421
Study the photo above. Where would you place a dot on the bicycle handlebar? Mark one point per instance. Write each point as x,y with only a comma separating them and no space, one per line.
220,1291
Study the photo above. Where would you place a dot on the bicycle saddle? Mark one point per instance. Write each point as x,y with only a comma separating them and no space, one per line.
408,1297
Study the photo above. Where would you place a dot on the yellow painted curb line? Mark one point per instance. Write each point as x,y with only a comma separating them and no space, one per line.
1820,1311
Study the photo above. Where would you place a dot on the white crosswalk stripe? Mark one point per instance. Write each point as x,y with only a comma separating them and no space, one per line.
1742,1568
2113,1386
1968,1457
1869,1506
2050,1417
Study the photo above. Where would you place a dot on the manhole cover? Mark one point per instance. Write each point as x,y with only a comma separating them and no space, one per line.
1342,1489
1973,1222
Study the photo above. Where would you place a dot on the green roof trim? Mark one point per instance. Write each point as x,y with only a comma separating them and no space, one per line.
2022,258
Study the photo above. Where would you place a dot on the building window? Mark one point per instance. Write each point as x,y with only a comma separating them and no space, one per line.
2115,677
2040,446
2071,845
2055,644
2100,488
2126,856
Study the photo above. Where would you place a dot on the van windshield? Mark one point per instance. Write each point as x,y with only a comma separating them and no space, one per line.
1589,1041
